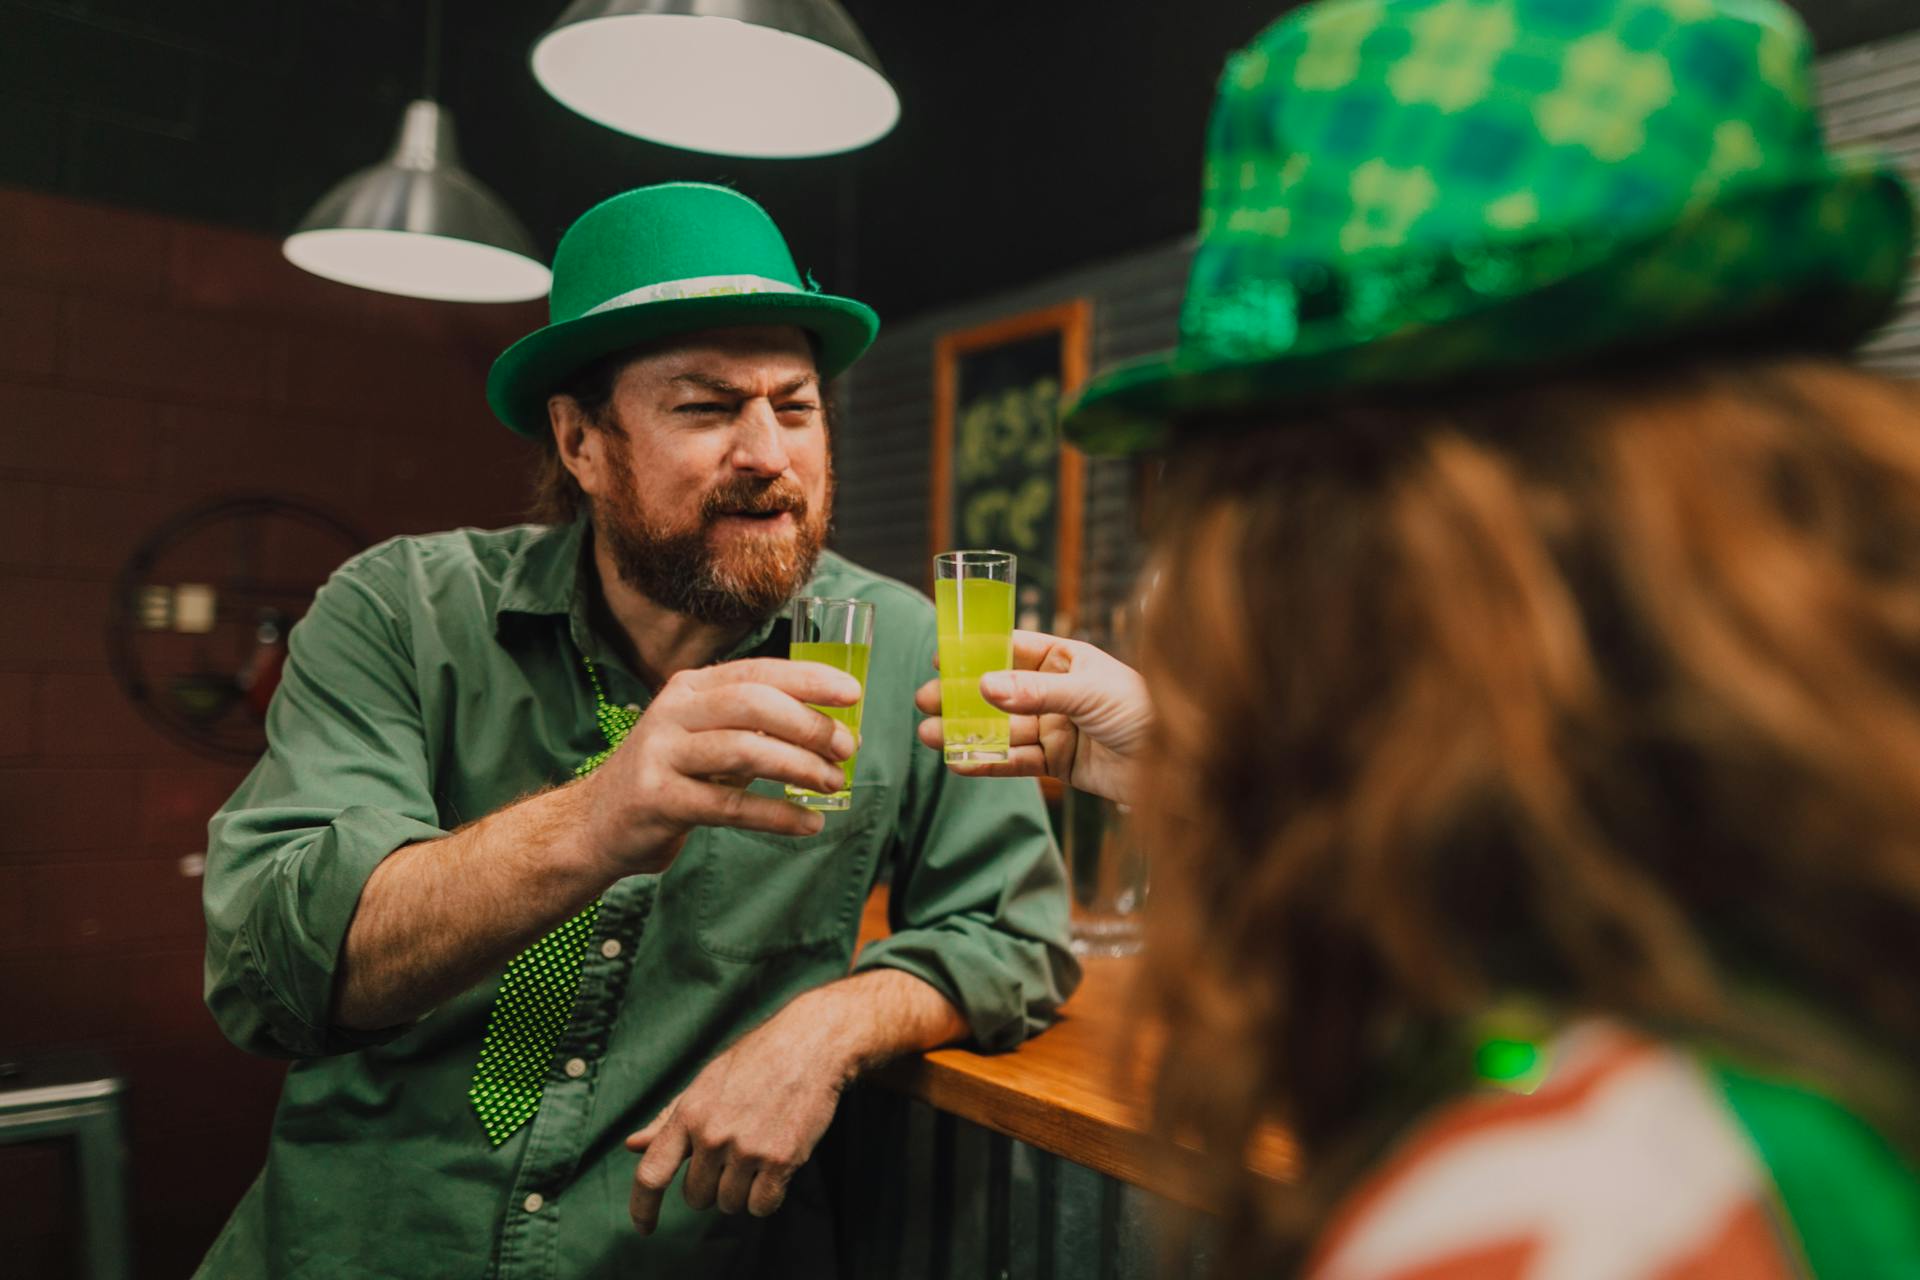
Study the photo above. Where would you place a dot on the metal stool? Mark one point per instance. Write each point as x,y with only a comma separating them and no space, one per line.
77,1096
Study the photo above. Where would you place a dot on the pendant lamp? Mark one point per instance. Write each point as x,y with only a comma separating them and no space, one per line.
765,78
418,224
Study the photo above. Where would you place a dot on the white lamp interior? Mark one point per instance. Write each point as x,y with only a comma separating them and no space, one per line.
716,84
418,265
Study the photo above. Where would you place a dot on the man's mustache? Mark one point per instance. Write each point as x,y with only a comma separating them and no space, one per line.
754,499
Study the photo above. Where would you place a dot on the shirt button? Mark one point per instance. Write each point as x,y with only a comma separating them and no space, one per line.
533,1202
610,948
576,1067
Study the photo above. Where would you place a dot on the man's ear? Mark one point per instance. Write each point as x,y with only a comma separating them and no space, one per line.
581,448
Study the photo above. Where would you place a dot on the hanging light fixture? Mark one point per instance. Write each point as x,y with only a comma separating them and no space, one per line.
418,224
774,78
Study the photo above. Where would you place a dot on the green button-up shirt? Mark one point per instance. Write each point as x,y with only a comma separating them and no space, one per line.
436,679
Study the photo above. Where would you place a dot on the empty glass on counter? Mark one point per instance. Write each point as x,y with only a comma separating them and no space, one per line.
1107,871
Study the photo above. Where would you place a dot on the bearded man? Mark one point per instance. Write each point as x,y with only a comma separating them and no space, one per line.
514,883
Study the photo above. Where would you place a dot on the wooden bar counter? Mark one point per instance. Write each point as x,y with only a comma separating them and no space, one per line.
1074,1091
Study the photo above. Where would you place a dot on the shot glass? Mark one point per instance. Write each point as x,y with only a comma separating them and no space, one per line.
973,592
838,633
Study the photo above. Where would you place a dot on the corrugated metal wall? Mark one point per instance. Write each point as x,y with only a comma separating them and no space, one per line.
1870,94
922,1195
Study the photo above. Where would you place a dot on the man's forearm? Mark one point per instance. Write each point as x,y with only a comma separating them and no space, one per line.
437,917
871,1018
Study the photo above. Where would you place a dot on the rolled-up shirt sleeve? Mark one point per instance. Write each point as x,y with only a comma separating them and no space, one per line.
978,904
344,782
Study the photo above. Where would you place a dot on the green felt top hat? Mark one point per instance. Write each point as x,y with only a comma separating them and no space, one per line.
1407,191
657,261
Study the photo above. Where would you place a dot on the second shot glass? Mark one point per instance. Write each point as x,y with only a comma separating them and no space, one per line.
973,594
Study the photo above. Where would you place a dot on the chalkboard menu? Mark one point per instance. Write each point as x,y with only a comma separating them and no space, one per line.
1002,479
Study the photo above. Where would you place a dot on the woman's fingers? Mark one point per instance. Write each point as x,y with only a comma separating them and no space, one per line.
1034,693
927,698
1021,762
1020,729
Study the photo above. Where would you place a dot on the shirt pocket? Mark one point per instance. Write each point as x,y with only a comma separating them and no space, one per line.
758,895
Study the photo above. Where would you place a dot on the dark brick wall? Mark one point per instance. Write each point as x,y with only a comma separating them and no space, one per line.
147,364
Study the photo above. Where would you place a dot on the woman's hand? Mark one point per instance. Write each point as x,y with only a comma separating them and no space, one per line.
1078,714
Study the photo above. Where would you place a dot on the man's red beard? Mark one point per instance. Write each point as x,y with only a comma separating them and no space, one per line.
742,582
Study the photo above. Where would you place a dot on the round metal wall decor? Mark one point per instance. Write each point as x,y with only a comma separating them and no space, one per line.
198,620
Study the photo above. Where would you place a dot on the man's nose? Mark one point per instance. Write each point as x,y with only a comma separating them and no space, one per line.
759,441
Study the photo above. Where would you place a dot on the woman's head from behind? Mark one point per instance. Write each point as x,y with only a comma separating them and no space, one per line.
1603,690
1493,656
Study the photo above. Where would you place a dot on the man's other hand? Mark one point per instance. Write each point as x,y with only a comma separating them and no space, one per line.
746,1124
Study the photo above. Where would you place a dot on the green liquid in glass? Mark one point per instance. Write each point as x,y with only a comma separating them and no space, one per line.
852,659
976,636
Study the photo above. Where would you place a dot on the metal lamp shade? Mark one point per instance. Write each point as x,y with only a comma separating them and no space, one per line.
420,225
771,78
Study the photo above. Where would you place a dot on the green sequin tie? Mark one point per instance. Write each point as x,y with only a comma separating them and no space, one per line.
538,989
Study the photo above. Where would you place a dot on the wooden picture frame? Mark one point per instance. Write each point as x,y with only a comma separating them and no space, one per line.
1007,363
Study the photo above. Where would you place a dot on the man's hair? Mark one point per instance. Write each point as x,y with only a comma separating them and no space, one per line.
557,497
1602,691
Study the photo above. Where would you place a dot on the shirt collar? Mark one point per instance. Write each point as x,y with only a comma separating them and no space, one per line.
544,575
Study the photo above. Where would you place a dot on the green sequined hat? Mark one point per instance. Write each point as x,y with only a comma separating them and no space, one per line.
1406,191
657,261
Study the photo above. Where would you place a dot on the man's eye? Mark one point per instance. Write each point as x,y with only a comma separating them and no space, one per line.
701,406
799,406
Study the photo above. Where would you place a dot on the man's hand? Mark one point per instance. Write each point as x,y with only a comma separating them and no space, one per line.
708,733
438,916
1078,714
752,1117
743,1127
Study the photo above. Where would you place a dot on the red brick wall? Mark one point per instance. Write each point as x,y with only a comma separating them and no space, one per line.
147,364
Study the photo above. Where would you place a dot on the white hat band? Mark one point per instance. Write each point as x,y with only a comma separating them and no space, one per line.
693,287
